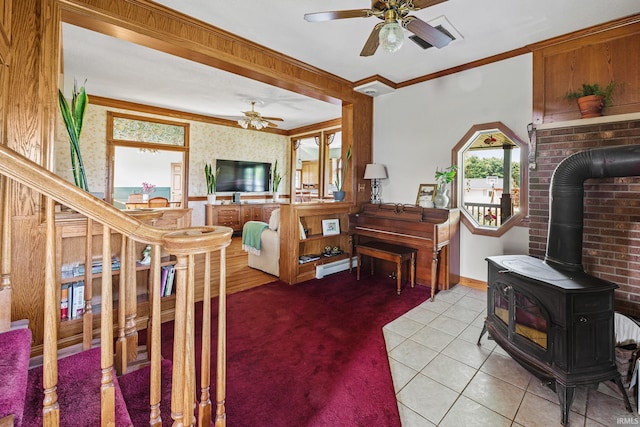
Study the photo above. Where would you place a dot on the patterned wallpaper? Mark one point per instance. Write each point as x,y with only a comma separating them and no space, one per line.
207,143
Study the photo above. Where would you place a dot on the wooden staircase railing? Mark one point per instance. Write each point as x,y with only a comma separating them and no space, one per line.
184,244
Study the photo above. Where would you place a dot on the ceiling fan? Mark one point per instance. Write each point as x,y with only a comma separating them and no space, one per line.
395,16
254,119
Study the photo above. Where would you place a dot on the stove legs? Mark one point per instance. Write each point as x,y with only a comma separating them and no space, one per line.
624,394
484,330
565,396
567,393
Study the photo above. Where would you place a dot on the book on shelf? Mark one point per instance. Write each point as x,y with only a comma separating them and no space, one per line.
308,258
170,279
77,300
64,302
164,271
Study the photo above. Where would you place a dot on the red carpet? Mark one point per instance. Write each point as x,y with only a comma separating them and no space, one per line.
311,354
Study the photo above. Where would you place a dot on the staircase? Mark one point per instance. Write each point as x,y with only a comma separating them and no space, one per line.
97,385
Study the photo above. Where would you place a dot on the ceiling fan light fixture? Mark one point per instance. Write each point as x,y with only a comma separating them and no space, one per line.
391,36
253,122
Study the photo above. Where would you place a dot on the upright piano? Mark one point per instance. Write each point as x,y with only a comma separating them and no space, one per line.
433,232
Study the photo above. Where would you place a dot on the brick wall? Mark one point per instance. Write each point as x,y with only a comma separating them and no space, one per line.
611,237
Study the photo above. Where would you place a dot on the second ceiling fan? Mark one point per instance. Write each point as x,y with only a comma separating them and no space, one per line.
256,120
395,16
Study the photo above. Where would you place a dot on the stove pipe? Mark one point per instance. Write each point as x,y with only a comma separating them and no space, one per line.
566,211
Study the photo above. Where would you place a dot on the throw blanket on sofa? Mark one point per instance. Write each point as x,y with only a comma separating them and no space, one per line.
251,236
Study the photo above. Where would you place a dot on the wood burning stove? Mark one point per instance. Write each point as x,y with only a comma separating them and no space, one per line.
553,318
556,324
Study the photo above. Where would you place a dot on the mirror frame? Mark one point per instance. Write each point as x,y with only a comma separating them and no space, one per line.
514,220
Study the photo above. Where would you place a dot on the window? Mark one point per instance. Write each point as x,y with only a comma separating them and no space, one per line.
492,179
144,150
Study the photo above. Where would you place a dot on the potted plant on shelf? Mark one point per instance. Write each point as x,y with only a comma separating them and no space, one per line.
443,177
592,98
276,178
341,175
211,178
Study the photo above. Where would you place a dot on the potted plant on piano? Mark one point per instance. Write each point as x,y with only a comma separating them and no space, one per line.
443,177
211,178
341,175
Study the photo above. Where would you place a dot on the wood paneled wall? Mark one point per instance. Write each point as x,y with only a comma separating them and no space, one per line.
600,54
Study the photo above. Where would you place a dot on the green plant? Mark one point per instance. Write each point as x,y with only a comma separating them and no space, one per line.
342,170
593,89
73,116
445,176
211,178
276,178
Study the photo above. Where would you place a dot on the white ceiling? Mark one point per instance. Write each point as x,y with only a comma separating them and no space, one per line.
121,70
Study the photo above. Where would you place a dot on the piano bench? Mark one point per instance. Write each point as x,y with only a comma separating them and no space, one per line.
389,252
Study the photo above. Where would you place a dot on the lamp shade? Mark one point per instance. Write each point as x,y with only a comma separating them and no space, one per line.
375,171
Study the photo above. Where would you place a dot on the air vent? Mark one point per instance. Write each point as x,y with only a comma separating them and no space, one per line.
426,45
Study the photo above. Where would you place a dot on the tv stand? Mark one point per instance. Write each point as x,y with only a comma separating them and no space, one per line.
236,215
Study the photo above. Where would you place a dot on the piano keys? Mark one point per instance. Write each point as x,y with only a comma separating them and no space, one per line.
435,233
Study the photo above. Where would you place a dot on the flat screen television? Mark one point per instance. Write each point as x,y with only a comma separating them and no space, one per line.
243,176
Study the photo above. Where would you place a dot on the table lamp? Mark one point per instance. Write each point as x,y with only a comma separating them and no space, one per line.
375,172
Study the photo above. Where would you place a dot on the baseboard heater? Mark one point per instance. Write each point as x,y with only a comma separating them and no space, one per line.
334,267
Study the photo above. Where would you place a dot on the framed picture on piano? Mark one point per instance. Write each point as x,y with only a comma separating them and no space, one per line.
330,227
426,193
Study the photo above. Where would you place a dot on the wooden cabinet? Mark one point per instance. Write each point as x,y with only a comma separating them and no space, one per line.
251,213
228,216
293,244
236,216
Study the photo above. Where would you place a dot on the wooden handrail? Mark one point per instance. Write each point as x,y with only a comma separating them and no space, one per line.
29,173
183,243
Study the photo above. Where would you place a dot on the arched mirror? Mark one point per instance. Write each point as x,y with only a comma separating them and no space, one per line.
491,184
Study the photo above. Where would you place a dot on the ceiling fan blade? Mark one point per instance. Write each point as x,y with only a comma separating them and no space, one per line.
277,119
271,124
426,32
421,4
336,14
371,45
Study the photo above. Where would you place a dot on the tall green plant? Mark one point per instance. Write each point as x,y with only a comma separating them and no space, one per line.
342,170
276,178
211,178
73,116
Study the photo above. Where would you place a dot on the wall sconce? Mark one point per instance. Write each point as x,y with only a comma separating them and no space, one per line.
375,172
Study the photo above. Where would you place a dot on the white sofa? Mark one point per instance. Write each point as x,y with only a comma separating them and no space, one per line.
269,258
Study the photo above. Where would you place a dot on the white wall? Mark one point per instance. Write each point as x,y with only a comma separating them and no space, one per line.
416,127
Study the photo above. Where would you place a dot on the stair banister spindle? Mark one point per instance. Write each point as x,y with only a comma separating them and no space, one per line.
131,303
121,342
153,350
179,344
5,254
107,390
51,409
190,349
221,369
87,313
204,408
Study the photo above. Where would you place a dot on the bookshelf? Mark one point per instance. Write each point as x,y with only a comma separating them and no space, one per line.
71,248
316,237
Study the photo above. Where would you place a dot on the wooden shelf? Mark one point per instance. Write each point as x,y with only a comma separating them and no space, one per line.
311,216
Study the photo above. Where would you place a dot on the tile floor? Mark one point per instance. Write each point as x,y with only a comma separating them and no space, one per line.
442,378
